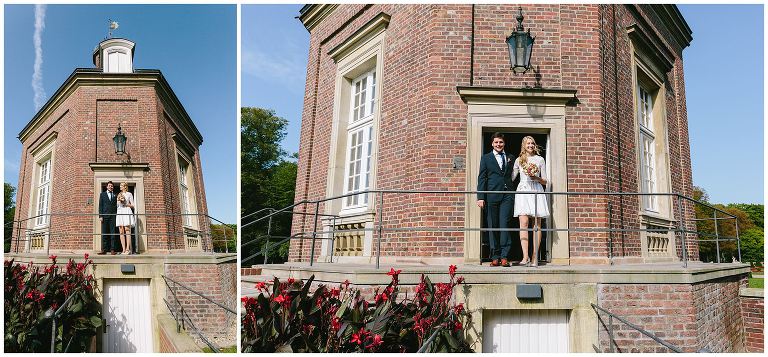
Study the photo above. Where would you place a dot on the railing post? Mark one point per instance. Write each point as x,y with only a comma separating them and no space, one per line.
738,238
682,232
314,235
610,231
226,239
536,226
381,222
717,238
53,334
269,235
333,236
610,333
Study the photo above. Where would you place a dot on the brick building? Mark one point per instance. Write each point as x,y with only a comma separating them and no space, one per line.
69,154
406,97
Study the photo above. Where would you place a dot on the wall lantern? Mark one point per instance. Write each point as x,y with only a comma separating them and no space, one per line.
119,141
520,45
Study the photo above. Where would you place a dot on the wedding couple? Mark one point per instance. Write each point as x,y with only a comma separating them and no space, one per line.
116,212
496,175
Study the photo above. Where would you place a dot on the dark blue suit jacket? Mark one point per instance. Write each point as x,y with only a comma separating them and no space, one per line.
491,178
107,206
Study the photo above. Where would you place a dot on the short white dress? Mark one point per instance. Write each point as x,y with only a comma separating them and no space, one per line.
125,215
529,204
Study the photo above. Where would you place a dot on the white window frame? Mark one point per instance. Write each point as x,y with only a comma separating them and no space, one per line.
647,139
358,162
184,192
43,188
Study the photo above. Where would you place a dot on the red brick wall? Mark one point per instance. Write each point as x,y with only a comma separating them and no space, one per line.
86,120
690,317
216,281
753,313
423,122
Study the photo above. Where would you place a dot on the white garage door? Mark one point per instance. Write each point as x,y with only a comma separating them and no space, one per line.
525,331
127,312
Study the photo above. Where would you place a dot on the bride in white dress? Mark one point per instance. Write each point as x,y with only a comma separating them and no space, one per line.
533,175
125,218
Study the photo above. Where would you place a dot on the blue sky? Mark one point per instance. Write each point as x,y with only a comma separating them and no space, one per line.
724,98
195,46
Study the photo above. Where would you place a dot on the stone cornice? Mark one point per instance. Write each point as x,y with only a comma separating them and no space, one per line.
95,77
658,55
311,15
673,19
490,95
366,32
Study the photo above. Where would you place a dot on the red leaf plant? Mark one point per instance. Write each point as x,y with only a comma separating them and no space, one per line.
288,318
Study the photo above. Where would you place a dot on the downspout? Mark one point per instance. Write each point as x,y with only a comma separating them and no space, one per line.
472,50
618,125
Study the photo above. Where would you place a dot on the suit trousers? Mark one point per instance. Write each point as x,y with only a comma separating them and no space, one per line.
498,215
109,240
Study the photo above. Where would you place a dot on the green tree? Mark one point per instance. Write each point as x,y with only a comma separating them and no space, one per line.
268,178
9,209
750,229
224,237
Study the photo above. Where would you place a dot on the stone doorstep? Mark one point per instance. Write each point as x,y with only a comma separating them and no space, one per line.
483,274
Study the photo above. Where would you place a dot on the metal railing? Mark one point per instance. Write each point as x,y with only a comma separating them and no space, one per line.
147,225
675,208
54,331
180,316
612,341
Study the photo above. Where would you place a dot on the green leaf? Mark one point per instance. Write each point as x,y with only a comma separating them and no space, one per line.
96,321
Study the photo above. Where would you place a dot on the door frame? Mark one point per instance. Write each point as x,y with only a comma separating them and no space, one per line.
518,110
107,281
128,173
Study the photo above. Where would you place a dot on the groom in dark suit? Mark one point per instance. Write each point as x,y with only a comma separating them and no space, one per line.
496,175
107,212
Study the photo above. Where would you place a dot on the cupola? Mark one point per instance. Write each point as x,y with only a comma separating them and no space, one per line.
114,55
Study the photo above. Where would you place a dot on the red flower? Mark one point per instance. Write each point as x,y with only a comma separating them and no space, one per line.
346,283
291,281
377,340
335,292
457,327
86,256
381,298
458,309
356,338
394,273
459,280
261,286
452,270
335,324
280,299
29,295
53,257
244,299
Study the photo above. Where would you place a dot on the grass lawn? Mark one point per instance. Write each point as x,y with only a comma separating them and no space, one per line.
756,282
230,349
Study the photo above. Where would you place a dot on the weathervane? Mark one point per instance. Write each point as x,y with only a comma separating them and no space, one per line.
112,26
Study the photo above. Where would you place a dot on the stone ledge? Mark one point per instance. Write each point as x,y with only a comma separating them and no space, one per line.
752,292
180,342
474,274
145,258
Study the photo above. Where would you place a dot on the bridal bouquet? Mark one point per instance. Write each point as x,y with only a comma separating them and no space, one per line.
120,197
530,169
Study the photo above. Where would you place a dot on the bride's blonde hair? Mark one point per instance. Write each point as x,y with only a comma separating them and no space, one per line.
524,153
123,184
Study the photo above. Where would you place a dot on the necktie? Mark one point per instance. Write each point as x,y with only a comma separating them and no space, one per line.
503,161
109,194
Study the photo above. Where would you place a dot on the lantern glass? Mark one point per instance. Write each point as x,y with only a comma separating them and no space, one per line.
119,140
520,48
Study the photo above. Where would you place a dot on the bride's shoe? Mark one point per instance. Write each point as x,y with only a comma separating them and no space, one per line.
535,264
526,262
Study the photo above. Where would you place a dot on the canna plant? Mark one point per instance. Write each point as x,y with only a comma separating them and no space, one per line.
288,318
33,294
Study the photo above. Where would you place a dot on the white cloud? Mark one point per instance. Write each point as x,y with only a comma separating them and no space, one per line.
274,67
37,75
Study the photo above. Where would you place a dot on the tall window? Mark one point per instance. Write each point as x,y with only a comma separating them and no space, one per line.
360,139
184,186
647,147
43,192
